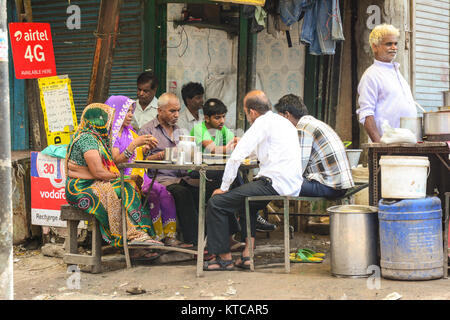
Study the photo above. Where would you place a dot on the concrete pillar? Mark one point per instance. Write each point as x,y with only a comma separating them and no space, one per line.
6,230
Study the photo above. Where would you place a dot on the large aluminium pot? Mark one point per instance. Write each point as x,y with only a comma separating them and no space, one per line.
436,123
354,238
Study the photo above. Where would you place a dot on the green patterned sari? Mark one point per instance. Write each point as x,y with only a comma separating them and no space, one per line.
102,198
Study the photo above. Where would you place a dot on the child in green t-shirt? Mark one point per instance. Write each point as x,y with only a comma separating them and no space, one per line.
212,134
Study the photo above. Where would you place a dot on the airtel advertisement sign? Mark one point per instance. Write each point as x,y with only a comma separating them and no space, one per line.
32,49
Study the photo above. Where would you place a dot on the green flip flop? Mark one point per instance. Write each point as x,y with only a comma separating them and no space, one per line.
304,257
313,253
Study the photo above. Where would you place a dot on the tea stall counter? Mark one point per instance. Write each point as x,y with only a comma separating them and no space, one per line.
438,154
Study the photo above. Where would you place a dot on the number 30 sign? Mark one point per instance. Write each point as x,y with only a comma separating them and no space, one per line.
32,49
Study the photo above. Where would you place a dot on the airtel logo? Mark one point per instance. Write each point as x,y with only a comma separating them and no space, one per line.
18,35
31,35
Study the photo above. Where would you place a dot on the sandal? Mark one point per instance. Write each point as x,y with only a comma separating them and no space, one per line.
143,255
224,265
237,246
242,265
172,242
209,257
303,257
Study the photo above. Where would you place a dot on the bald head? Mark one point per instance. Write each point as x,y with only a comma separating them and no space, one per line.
258,101
168,109
166,99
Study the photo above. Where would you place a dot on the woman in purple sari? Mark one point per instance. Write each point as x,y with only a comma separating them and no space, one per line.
127,147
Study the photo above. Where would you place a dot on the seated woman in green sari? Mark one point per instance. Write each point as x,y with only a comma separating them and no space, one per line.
93,183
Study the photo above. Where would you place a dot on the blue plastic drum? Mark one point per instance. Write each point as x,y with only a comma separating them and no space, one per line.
411,239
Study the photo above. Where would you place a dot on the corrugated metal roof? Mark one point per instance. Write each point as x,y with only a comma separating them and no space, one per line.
74,49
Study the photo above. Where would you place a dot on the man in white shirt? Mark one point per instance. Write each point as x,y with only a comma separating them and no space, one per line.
384,93
146,104
275,141
192,94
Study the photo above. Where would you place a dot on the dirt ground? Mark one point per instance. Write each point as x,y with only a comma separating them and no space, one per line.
39,277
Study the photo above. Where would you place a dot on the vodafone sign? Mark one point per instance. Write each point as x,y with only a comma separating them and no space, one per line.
32,50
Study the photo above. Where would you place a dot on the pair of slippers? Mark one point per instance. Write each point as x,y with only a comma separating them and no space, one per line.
306,256
172,242
226,265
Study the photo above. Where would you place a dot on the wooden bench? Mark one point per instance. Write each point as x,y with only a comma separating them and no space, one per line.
73,216
286,200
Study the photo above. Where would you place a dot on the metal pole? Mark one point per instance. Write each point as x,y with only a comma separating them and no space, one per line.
6,234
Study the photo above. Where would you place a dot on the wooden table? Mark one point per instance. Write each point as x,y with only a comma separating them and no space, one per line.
438,154
202,169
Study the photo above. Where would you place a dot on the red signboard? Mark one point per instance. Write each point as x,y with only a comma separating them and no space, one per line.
48,182
32,49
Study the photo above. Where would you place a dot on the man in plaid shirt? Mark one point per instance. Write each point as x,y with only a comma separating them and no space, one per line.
326,170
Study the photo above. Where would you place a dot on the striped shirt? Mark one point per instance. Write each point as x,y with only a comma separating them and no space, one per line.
323,154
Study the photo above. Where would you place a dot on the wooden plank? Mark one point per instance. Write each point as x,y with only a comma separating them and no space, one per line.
96,247
72,237
201,222
107,31
70,258
69,212
287,263
241,70
149,34
419,146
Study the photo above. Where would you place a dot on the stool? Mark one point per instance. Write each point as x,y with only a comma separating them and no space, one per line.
73,216
286,199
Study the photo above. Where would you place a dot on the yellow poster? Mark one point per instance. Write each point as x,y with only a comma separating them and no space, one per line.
60,118
250,2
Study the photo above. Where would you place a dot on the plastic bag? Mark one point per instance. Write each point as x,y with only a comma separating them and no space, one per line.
57,151
396,135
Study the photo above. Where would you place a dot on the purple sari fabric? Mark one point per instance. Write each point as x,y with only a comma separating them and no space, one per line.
121,105
162,204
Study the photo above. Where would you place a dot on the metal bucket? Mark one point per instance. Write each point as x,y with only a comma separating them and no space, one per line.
354,240
414,124
353,156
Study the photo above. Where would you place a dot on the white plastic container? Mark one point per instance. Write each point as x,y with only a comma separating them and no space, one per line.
404,177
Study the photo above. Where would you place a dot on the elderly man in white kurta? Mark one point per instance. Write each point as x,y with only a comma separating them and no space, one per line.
384,93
